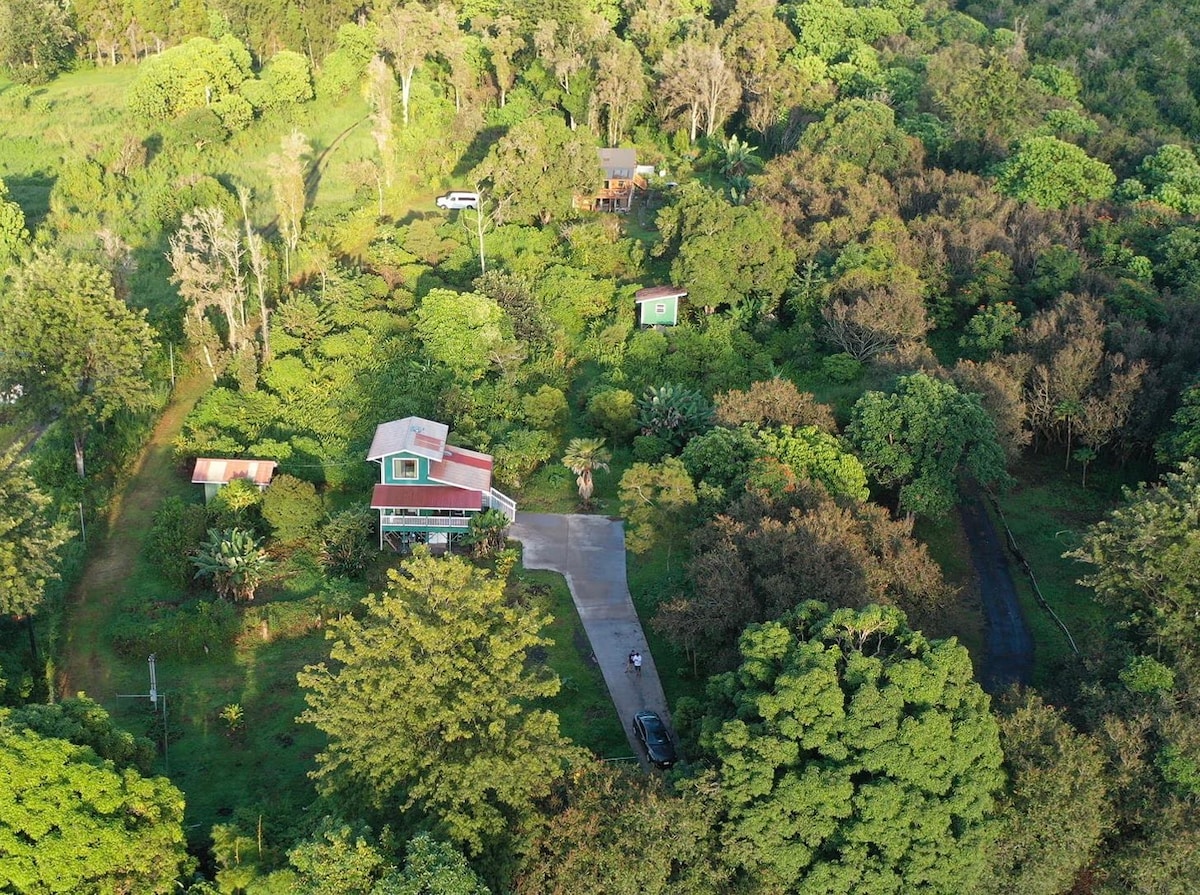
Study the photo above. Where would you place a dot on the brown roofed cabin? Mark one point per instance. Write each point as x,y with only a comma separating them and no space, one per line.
620,181
213,473
659,305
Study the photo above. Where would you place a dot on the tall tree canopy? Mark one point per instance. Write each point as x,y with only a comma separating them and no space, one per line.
427,702
615,831
75,349
72,822
853,755
924,437
726,254
30,538
540,166
766,556
1145,558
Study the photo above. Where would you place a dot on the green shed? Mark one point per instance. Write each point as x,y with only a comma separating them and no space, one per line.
659,305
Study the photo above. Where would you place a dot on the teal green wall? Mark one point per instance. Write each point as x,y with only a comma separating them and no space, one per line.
422,470
669,317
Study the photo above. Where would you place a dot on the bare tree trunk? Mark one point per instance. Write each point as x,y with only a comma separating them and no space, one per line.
78,438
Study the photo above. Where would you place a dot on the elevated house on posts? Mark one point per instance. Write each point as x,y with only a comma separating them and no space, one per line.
428,490
621,180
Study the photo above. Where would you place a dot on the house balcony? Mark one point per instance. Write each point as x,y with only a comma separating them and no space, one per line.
412,522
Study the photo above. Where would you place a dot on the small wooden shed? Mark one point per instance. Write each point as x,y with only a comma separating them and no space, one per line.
659,305
213,473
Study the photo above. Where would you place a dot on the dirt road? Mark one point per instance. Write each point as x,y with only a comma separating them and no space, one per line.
85,656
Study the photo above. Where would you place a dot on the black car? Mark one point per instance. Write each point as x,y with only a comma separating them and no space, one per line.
650,729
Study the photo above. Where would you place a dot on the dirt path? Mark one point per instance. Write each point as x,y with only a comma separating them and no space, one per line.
86,658
1008,658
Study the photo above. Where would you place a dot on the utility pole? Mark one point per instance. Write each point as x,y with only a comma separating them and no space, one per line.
154,696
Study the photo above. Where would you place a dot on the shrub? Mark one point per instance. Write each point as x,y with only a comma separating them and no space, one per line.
292,508
841,368
547,409
348,543
178,529
650,448
192,632
613,413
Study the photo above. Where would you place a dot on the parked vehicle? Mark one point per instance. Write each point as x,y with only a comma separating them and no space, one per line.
653,735
458,199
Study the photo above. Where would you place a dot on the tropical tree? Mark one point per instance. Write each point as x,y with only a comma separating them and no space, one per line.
852,755
658,502
30,539
924,437
236,562
289,179
73,349
539,166
408,33
767,554
73,822
427,703
1051,173
583,457
36,39
1143,558
673,413
1055,810
615,830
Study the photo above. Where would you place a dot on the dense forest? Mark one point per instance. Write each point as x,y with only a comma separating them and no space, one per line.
934,255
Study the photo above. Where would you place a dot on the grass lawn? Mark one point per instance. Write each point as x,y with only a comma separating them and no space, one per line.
655,577
583,705
963,618
1048,512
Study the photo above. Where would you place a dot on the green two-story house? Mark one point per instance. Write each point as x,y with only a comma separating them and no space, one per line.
428,490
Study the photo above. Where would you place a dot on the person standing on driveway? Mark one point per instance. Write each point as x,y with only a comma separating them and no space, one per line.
636,658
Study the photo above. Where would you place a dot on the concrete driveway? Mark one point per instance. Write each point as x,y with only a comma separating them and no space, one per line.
589,551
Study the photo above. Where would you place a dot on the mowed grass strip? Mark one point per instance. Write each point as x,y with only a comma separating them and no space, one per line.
584,708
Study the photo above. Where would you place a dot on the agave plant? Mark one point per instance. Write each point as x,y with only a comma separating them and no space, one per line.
235,561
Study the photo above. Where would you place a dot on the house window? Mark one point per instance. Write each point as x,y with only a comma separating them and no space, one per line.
660,309
404,469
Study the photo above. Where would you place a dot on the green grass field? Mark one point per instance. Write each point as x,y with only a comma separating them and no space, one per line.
1049,511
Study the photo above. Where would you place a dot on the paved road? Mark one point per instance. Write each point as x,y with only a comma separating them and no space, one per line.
1009,646
589,551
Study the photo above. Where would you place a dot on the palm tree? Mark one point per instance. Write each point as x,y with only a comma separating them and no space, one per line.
235,561
583,457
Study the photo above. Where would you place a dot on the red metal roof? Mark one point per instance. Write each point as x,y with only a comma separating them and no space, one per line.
219,471
428,497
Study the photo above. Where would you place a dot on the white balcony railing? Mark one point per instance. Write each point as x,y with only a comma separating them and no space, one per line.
426,521
501,502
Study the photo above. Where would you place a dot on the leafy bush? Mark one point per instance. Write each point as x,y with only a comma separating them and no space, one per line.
613,413
521,454
292,508
650,448
841,368
674,414
547,409
178,529
191,632
348,542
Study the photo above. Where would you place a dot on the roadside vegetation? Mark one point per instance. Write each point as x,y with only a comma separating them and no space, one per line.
926,251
